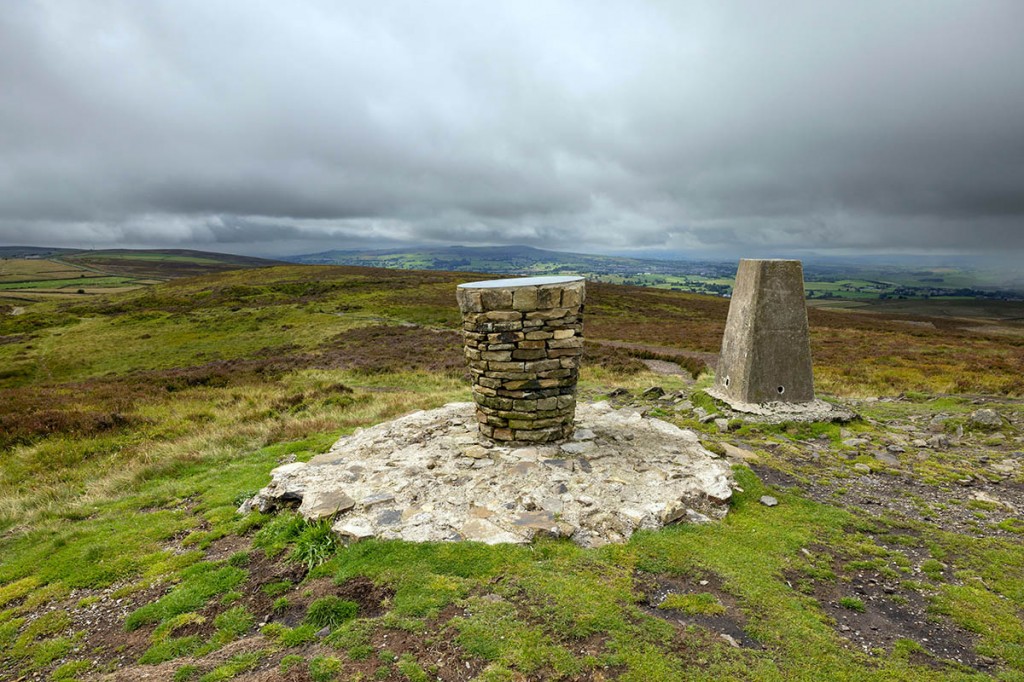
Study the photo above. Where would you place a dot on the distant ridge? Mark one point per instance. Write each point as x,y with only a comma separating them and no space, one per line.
248,261
51,251
33,251
512,259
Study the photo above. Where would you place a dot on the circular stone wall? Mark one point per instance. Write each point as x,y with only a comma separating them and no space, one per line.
524,339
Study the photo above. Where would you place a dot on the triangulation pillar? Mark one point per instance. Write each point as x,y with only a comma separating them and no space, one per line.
524,340
766,352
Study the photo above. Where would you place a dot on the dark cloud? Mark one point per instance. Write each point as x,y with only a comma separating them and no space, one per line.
716,127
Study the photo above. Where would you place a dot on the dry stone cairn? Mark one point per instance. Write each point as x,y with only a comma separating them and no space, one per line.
766,352
523,341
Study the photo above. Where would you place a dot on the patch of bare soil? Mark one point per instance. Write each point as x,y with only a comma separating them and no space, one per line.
666,368
370,598
890,613
729,626
103,619
434,650
227,546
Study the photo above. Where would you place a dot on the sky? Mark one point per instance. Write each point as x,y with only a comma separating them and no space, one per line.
698,128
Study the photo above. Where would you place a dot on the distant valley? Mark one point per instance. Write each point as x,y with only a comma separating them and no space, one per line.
829,283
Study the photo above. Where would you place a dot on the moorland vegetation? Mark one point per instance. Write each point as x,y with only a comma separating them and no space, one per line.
133,424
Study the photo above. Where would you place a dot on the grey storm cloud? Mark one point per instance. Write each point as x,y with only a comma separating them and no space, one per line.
701,126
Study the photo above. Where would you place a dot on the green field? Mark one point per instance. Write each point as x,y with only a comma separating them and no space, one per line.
143,256
101,272
133,424
69,283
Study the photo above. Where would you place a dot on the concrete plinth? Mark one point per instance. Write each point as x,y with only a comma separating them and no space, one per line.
524,339
766,352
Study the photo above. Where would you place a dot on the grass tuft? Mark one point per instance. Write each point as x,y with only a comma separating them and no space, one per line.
330,612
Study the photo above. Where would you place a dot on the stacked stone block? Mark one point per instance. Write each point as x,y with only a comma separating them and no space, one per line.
523,341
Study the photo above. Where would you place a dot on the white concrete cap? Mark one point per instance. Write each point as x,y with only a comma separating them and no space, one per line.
519,282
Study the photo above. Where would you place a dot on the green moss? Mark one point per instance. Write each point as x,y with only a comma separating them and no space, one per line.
289,637
170,648
494,632
351,634
852,604
703,603
933,568
186,673
17,589
170,625
201,582
324,669
234,666
411,670
233,623
66,672
50,623
997,622
1011,525
276,589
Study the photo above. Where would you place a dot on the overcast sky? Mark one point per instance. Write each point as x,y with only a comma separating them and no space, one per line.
739,128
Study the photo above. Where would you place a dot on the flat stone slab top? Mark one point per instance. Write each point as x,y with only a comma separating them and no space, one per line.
429,476
519,282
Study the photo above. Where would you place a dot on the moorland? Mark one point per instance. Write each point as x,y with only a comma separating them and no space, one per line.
134,422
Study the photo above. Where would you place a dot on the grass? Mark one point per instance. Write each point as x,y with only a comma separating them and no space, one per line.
330,612
131,426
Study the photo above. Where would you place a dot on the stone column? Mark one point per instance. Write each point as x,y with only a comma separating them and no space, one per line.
524,339
766,351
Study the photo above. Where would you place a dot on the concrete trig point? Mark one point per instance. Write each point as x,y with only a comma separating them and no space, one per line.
523,342
766,352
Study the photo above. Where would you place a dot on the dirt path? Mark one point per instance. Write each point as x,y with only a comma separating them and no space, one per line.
709,359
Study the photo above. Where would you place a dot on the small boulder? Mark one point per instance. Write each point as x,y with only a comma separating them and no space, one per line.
985,418
653,392
887,458
733,452
769,501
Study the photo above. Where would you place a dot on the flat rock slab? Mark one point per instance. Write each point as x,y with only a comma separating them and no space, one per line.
428,476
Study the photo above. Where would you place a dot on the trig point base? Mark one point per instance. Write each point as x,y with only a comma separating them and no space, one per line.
766,352
524,339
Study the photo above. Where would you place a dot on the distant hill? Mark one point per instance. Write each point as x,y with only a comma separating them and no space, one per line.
29,273
516,259
165,263
33,251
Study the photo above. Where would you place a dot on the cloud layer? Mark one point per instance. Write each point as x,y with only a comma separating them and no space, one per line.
703,127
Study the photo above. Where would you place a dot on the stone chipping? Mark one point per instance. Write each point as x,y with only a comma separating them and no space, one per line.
431,476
